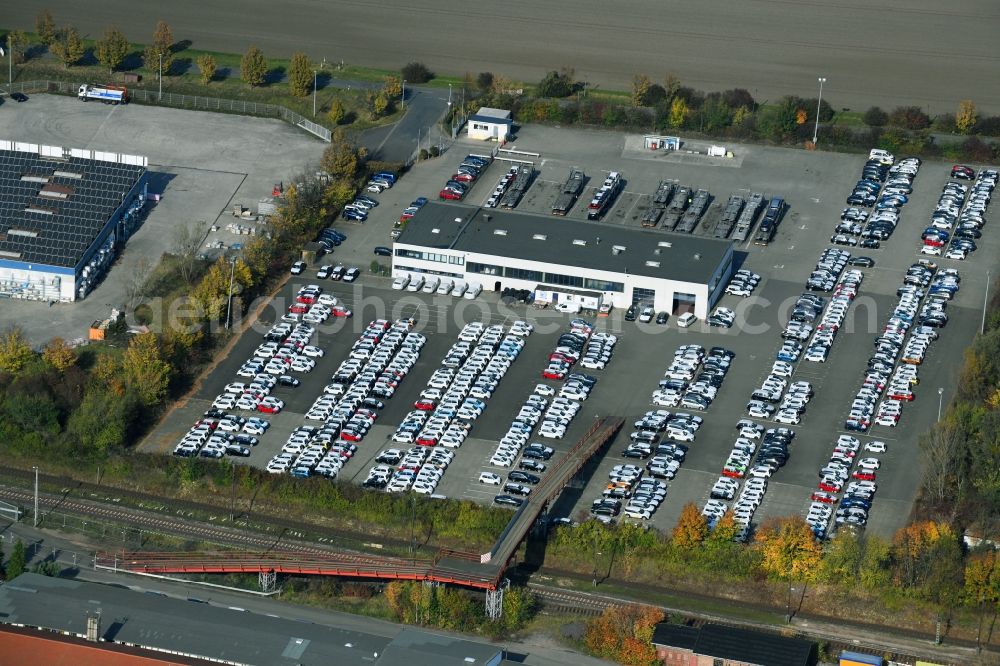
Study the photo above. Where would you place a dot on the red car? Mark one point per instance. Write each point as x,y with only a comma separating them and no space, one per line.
899,395
450,195
963,172
864,476
732,473
427,441
351,436
425,405
934,241
829,486
265,408
825,497
308,299
298,308
463,177
553,374
559,356
341,311
405,216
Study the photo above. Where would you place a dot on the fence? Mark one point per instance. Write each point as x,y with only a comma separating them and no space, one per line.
196,102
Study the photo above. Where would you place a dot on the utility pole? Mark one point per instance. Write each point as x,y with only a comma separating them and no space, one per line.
314,93
160,97
35,515
986,300
402,96
819,102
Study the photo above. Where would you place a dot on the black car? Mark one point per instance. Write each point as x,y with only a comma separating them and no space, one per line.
631,313
536,454
19,97
237,450
383,251
523,477
288,380
638,454
375,483
662,318
352,274
532,465
507,500
865,262
214,414
870,243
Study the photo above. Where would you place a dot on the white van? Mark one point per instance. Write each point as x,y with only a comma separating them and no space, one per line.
445,287
571,308
474,290
686,319
883,156
401,281
432,284
460,288
416,283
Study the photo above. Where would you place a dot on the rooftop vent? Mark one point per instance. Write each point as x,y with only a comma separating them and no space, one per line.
67,174
22,232
435,230
539,237
36,209
653,264
458,220
577,241
499,232
487,217
665,244
617,249
34,179
10,254
697,256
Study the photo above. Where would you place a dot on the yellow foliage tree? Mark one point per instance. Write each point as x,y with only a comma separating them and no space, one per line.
789,550
15,352
340,159
624,633
337,112
145,371
691,528
206,67
393,87
160,52
58,354
982,579
640,89
212,293
801,115
966,117
678,112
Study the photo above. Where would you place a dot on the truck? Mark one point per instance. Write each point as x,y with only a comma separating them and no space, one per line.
769,223
744,225
729,216
682,197
106,94
570,191
699,204
519,185
661,198
605,196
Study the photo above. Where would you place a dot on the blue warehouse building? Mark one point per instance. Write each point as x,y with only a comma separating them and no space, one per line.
65,214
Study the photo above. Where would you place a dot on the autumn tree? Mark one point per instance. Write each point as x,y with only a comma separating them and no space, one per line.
379,104
100,423
982,583
340,159
253,67
17,43
300,75
337,112
923,552
206,67
671,85
45,27
211,294
15,352
941,451
186,243
966,117
875,117
161,46
678,112
18,562
146,373
640,89
842,558
58,354
112,49
624,634
67,46
691,528
139,272
789,550
392,87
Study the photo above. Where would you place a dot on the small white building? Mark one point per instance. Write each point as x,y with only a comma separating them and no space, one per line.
564,260
490,124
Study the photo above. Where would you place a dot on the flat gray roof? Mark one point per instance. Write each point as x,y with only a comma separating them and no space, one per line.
189,626
569,242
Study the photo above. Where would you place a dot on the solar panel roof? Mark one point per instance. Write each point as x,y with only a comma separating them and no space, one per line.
52,210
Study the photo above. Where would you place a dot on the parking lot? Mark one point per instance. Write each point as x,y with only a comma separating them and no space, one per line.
813,184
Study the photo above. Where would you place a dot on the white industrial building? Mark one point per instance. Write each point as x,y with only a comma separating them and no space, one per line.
64,215
565,260
490,124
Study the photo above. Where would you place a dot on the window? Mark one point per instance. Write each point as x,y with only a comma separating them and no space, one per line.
430,256
563,280
601,285
718,662
485,269
523,274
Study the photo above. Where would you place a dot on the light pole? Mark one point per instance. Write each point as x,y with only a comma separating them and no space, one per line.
160,77
402,96
940,401
819,103
35,515
449,97
229,306
10,64
986,299
314,93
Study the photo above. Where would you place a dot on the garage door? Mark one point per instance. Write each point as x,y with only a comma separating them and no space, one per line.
642,296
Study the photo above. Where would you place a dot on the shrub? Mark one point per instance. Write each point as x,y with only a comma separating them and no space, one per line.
944,123
424,154
989,126
738,97
909,117
484,81
416,72
557,84
435,151
875,117
975,149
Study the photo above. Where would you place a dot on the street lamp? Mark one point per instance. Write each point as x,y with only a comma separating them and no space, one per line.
160,77
35,515
229,306
402,96
986,300
819,102
314,93
940,401
449,96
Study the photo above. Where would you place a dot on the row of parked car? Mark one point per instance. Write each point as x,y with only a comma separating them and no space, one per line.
218,434
833,316
579,342
743,282
956,219
467,173
433,284
642,495
922,283
503,184
884,187
850,470
349,407
419,469
693,379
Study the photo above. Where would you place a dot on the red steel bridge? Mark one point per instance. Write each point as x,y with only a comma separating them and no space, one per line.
480,571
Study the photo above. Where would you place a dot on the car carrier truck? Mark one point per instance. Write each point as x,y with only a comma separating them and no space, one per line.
106,94
570,191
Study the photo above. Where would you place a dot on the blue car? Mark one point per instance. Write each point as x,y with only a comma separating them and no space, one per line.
419,202
354,215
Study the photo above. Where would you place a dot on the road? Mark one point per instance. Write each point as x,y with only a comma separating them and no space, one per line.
917,52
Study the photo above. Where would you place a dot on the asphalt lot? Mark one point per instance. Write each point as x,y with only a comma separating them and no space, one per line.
814,184
898,52
200,162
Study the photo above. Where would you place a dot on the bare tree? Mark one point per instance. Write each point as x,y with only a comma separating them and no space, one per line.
187,242
138,272
941,450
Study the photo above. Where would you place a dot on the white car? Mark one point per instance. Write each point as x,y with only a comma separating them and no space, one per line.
955,253
401,282
875,447
931,250
327,299
787,416
686,319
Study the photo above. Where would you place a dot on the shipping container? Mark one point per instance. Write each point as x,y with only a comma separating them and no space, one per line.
859,659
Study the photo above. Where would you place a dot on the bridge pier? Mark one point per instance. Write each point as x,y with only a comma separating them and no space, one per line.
267,579
494,601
